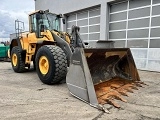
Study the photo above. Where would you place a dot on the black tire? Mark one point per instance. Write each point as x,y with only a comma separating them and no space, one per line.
57,64
20,66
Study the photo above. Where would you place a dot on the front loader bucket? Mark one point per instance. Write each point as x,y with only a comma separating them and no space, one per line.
98,76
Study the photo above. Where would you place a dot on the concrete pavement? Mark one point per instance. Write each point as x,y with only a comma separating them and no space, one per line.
24,97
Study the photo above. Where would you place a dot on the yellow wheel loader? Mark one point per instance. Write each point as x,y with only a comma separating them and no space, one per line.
95,75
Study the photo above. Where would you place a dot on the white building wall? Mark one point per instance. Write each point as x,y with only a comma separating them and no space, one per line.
144,44
63,6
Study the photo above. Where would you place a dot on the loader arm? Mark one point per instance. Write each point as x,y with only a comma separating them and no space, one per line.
76,40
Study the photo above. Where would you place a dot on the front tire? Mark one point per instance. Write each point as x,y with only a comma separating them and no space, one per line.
51,64
17,62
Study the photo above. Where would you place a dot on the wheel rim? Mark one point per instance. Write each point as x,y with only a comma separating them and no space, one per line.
14,59
43,65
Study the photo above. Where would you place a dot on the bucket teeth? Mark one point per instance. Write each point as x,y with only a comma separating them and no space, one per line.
102,91
115,86
112,102
123,93
108,91
143,83
134,87
117,96
138,84
129,90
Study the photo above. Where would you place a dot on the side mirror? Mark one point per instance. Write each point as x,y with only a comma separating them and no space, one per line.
42,28
63,20
46,11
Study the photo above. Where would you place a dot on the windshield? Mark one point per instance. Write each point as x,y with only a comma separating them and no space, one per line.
51,21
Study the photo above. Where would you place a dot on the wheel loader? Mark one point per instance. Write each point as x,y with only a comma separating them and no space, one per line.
94,75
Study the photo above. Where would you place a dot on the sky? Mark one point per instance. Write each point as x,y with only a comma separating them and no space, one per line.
11,10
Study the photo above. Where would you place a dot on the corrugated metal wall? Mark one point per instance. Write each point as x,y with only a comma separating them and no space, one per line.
136,24
89,23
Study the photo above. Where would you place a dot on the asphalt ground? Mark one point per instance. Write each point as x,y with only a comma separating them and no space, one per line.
24,97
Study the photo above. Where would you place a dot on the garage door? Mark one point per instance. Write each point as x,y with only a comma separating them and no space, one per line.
136,24
89,23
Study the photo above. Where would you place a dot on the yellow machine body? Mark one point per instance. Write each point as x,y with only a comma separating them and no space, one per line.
30,42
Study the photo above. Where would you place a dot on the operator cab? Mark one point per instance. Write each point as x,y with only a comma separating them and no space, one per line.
43,20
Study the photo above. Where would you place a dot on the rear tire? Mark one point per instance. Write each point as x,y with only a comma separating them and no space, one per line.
51,64
17,62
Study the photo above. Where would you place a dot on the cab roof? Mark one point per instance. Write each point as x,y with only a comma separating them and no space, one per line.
40,11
